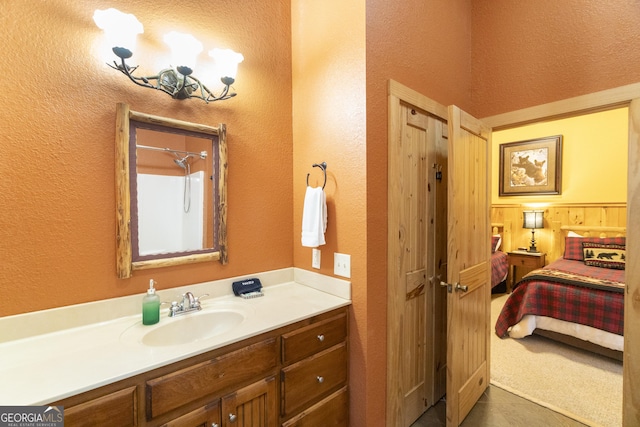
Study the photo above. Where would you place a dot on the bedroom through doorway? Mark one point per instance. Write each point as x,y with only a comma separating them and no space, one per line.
530,367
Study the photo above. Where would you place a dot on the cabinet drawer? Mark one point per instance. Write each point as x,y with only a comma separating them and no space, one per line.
527,261
186,385
116,409
313,338
332,411
311,378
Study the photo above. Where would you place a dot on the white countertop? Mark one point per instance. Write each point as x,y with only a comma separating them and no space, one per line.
45,367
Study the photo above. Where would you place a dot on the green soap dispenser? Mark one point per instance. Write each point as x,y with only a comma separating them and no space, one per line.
151,306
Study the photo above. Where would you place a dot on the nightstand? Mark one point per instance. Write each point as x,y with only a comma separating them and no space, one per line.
523,259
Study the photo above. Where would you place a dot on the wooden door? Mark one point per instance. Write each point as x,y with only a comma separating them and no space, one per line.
205,416
417,140
469,263
631,365
252,406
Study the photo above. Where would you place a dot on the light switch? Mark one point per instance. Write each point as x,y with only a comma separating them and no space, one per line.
342,265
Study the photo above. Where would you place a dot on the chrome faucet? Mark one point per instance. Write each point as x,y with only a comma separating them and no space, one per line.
189,303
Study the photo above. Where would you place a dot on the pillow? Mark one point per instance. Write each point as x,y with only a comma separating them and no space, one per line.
603,255
496,241
573,234
573,245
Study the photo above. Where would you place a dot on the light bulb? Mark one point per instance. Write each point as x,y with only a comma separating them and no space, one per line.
226,63
184,49
121,29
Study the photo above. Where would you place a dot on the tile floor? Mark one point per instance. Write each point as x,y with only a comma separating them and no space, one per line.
499,408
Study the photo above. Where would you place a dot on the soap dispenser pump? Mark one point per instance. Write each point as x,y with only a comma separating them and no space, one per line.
151,306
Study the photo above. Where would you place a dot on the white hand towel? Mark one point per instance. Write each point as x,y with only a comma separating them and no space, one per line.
314,217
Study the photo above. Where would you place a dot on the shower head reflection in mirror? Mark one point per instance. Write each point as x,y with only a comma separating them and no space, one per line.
183,160
185,163
170,215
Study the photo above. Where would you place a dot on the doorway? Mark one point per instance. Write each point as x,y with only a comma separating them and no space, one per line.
606,99
583,204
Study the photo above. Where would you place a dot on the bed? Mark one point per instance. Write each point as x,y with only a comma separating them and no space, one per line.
578,298
499,259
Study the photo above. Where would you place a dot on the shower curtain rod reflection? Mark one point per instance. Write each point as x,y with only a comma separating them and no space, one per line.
202,154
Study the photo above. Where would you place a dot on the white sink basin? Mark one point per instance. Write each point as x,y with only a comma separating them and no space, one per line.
186,328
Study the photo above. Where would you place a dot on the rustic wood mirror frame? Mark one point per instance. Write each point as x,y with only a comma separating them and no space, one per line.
124,262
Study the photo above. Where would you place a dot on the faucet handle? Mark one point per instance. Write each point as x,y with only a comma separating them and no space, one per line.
174,309
196,301
201,297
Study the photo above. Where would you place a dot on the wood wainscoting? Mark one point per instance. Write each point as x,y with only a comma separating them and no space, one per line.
550,238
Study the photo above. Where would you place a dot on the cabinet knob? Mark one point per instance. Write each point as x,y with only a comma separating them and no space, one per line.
214,425
320,379
232,418
321,337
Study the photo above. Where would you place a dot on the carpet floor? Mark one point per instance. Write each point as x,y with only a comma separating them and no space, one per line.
579,384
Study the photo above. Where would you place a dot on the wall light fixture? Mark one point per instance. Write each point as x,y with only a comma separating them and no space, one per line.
121,30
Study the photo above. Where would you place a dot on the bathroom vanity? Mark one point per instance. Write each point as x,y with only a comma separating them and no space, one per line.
284,363
293,376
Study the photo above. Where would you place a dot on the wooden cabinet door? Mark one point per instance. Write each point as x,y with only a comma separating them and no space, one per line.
469,263
252,406
207,416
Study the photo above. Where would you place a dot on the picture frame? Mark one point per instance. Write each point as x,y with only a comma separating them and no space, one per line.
531,167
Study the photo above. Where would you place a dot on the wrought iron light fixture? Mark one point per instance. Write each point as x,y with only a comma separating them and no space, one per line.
533,220
121,29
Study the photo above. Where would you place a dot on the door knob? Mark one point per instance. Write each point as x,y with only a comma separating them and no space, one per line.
463,288
456,286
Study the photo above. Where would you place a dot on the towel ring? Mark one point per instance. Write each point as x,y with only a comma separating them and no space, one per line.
322,166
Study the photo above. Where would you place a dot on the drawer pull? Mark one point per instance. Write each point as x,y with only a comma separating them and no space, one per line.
321,337
214,425
232,418
320,379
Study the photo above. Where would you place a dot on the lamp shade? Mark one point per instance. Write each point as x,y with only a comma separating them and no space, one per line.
184,49
226,62
533,219
121,29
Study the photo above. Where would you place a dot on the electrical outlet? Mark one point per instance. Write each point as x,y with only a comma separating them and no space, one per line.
315,258
342,265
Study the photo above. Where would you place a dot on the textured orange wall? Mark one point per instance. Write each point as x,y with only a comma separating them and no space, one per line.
532,52
58,119
328,51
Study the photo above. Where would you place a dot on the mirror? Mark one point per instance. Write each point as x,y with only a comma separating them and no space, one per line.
170,192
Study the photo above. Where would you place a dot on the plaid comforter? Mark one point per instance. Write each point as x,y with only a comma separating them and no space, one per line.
597,301
499,267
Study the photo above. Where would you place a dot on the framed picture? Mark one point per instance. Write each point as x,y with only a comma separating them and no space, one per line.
531,167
